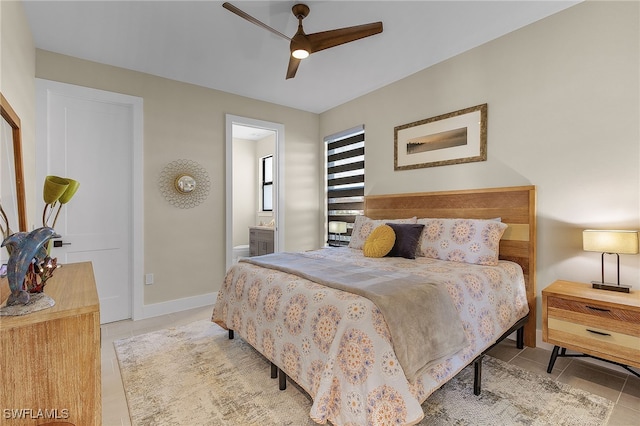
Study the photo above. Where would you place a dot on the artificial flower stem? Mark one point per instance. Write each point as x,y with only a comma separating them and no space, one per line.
5,233
55,219
44,215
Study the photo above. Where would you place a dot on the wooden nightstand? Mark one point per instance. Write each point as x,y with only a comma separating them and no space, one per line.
597,323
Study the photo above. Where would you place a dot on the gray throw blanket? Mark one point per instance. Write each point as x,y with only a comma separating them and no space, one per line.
422,320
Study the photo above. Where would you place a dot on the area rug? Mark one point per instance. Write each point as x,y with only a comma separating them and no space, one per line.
195,375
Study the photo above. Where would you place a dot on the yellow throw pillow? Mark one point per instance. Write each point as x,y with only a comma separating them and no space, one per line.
379,242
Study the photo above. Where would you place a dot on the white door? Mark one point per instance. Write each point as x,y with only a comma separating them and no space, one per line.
88,135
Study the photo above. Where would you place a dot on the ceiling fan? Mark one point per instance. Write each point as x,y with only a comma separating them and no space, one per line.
302,45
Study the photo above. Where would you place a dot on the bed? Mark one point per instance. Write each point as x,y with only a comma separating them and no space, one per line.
343,349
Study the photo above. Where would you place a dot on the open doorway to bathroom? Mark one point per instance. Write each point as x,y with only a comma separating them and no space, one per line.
254,187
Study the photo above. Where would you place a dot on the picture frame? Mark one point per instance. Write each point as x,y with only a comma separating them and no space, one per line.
12,186
453,138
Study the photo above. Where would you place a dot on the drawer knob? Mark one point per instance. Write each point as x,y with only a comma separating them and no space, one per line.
593,308
600,333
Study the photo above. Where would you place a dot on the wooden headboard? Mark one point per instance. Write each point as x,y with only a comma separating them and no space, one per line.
516,206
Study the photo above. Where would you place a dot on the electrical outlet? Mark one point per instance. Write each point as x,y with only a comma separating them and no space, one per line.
148,279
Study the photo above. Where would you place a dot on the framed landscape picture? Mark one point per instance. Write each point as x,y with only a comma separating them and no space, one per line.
453,138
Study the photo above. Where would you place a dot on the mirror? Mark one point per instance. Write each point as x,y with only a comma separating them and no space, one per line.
12,194
185,184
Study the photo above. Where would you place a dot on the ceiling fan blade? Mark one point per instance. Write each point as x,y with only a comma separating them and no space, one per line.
244,15
326,39
293,67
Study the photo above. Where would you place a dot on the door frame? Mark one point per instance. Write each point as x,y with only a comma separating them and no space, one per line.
136,238
230,120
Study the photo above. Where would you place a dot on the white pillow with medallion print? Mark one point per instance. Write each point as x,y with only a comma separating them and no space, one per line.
475,241
363,226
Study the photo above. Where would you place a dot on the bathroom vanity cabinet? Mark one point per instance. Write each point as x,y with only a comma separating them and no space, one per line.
260,240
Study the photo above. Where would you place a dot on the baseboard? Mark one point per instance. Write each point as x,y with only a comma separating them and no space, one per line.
177,305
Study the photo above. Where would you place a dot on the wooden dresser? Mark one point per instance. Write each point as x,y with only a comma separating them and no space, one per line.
50,359
599,323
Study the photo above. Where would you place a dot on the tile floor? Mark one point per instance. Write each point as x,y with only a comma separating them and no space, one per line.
596,377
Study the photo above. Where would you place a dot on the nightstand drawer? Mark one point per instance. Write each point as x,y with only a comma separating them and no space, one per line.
598,341
592,314
593,308
594,336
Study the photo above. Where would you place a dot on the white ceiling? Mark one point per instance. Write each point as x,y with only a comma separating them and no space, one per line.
202,43
250,133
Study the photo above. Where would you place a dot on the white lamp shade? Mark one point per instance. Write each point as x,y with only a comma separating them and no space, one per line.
610,241
336,227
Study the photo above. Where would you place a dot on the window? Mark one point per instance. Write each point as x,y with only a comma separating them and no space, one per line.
345,180
267,183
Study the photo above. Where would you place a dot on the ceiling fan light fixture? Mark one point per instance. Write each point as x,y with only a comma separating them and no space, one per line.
300,45
300,54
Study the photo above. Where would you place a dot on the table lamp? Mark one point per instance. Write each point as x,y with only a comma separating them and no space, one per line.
337,228
610,242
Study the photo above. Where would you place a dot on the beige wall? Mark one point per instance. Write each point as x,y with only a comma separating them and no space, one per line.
17,68
245,197
187,121
563,100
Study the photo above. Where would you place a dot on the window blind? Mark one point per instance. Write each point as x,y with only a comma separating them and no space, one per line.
345,180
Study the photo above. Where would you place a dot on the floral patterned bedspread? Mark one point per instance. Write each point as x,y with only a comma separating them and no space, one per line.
336,345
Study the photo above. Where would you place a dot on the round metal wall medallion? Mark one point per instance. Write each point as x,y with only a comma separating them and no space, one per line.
184,183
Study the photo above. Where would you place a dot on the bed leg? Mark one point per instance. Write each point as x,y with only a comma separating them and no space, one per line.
282,379
520,338
477,375
274,371
230,334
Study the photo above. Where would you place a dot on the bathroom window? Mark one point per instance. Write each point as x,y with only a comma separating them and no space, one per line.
267,184
345,181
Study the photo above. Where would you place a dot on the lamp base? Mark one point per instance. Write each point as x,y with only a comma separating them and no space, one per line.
612,287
